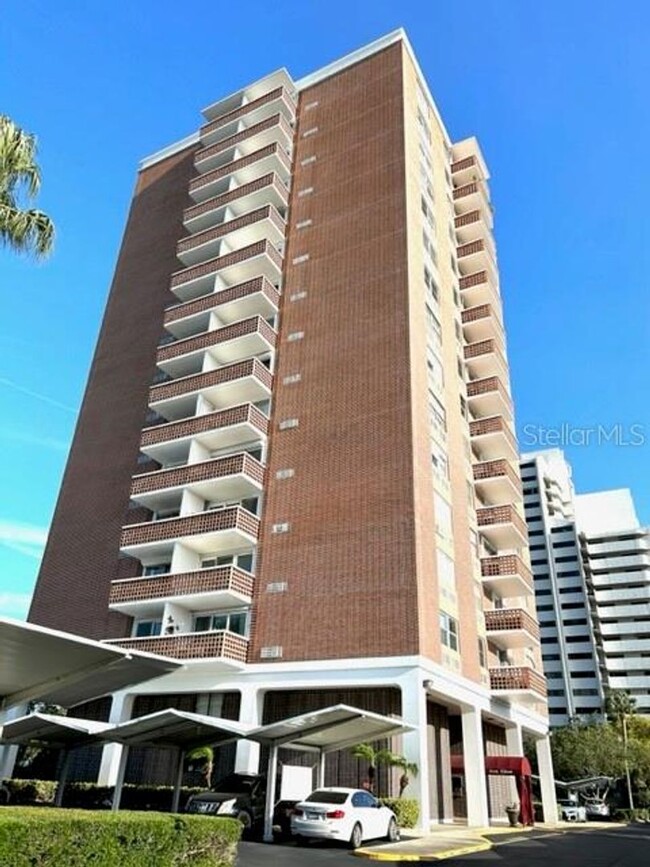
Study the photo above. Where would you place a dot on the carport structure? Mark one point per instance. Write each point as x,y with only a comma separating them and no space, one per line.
320,732
51,666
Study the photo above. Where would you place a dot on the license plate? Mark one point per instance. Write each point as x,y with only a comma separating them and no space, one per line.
317,816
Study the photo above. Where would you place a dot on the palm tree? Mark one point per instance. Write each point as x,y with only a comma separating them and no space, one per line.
374,758
619,705
408,769
25,230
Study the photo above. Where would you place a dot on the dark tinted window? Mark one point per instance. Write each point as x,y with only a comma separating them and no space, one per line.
236,783
320,797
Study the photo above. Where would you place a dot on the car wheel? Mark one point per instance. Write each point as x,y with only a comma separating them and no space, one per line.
246,819
392,835
356,838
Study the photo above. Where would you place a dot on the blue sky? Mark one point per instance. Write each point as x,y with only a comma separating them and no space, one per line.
555,91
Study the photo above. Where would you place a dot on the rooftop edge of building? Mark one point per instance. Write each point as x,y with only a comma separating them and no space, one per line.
306,81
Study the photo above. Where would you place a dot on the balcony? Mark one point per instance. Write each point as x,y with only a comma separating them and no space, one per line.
473,225
272,130
485,358
238,266
262,223
202,590
466,170
509,628
256,297
226,345
170,442
508,576
471,197
497,481
234,477
216,531
481,287
482,322
275,102
502,526
227,647
477,255
520,682
489,397
492,438
244,382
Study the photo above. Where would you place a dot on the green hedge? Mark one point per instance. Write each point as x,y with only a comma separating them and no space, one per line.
37,837
407,810
626,815
90,796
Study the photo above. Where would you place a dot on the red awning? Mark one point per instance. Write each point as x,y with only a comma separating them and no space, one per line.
517,765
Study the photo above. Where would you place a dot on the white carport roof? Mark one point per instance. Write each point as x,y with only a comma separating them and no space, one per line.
332,728
177,728
48,665
55,731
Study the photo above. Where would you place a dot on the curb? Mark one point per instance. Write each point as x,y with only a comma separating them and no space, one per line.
455,852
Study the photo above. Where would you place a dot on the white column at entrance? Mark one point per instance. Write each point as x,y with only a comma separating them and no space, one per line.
515,747
414,711
247,758
120,712
546,779
474,762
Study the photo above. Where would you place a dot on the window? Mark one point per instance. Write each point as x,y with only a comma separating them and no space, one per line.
442,516
449,631
157,569
233,622
482,655
143,628
431,285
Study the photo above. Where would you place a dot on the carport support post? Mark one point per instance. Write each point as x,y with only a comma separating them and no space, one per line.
321,769
546,779
178,782
63,777
119,782
271,778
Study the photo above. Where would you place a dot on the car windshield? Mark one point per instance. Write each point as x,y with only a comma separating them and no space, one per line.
236,784
320,797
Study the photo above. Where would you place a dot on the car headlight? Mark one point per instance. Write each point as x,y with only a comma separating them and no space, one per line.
227,806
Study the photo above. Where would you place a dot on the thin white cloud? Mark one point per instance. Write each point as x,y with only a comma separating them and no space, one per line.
14,604
35,553
34,440
16,533
36,394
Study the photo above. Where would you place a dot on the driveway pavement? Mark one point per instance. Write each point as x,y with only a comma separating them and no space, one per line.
565,847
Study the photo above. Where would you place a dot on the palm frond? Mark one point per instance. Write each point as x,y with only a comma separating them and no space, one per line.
26,231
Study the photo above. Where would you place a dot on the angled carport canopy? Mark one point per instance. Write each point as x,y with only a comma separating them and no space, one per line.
172,729
327,730
66,733
48,665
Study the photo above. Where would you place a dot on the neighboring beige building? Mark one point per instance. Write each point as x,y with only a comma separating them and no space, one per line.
298,434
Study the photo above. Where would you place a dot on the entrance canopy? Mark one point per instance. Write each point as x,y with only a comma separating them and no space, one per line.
515,765
55,731
48,665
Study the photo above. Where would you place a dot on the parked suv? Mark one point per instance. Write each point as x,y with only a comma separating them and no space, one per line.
596,809
243,797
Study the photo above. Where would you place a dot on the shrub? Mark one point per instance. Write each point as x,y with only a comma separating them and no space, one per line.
627,815
407,810
30,791
36,837
90,796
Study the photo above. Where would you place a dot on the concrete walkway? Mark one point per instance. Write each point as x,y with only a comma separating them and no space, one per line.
454,841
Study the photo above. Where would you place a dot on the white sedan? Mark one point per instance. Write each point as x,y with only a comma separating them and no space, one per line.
349,815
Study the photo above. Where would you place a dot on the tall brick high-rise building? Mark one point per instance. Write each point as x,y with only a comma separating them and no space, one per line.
295,466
